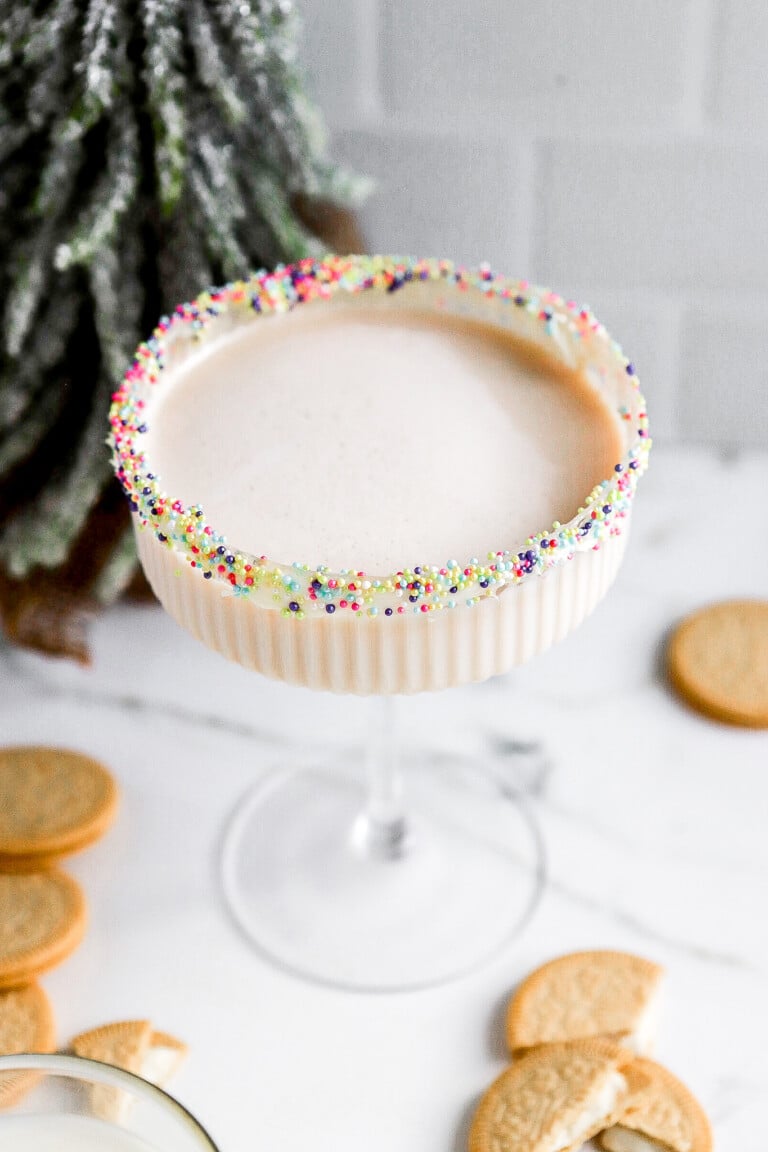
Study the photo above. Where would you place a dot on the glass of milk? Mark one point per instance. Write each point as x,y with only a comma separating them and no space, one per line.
67,1104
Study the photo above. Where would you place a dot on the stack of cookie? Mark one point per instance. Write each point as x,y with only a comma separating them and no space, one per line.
580,1030
52,803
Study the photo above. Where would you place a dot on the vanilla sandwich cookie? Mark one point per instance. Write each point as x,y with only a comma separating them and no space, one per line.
135,1046
26,1025
553,1099
124,1045
587,994
53,802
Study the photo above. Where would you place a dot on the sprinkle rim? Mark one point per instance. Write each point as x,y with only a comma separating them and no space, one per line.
300,590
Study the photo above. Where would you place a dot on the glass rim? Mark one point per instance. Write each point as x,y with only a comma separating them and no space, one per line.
82,1068
300,590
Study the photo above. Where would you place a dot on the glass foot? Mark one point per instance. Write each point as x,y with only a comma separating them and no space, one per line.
326,895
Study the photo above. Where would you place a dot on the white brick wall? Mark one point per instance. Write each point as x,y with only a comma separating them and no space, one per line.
614,149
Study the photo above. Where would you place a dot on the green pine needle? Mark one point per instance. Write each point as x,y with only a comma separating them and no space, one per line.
149,148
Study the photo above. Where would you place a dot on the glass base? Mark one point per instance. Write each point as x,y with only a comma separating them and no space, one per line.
325,895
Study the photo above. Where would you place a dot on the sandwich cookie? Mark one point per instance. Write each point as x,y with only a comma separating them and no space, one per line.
717,661
42,920
135,1046
553,1099
26,1025
52,802
587,994
661,1115
124,1045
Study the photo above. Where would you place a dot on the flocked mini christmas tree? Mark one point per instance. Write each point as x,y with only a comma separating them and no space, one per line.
148,148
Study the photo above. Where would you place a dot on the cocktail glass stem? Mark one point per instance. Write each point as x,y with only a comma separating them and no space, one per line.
381,829
328,877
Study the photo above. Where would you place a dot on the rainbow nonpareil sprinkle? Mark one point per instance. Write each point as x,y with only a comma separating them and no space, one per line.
300,590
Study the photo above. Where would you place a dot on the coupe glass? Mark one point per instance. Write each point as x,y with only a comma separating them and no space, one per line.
68,1104
367,876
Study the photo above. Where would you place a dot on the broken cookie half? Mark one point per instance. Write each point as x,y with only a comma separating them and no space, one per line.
134,1046
553,1099
587,994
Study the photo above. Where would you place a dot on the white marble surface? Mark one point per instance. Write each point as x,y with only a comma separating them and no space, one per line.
654,820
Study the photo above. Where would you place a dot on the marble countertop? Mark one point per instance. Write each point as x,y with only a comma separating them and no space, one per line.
654,820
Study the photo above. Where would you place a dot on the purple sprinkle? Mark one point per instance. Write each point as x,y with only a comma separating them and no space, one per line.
330,609
294,607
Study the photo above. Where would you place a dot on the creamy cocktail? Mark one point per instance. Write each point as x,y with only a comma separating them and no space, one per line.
377,458
376,476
